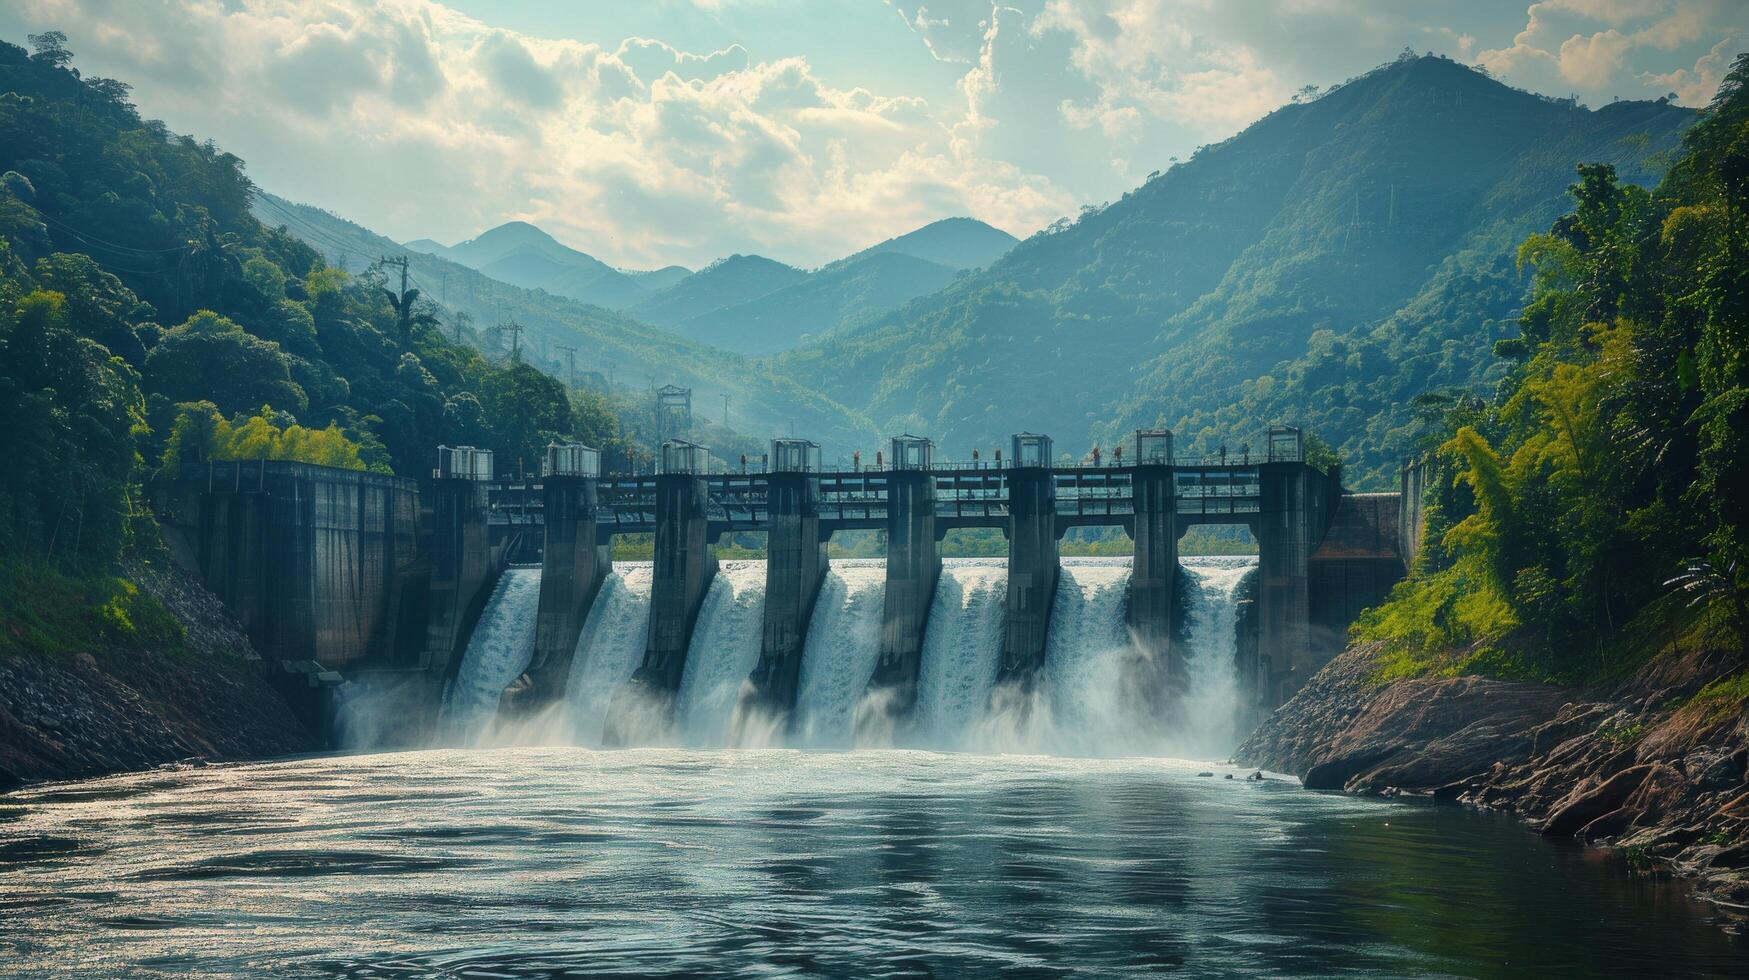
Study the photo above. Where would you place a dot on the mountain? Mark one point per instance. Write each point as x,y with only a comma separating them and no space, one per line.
1323,267
752,305
725,282
659,279
958,243
429,247
522,254
611,347
841,294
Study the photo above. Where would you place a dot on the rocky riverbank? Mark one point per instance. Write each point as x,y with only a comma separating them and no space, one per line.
194,692
1654,766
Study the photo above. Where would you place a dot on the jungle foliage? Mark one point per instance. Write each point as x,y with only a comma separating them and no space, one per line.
147,314
1606,484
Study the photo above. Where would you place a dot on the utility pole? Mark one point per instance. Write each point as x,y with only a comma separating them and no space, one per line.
570,361
515,330
401,261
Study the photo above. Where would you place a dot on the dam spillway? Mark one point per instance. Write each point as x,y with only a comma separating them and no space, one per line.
1323,554
1083,704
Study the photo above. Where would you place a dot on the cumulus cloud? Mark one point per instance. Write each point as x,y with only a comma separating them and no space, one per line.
643,152
423,121
1556,43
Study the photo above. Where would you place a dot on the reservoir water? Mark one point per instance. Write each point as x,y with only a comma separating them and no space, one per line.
1078,831
685,862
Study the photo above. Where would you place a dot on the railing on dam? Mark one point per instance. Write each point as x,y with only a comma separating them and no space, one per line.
969,496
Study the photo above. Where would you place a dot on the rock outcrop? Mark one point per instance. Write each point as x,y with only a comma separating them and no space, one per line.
109,710
1646,766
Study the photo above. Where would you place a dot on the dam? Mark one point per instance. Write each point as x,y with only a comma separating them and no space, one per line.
465,601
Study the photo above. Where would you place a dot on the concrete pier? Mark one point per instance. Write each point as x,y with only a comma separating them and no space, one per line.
913,570
795,567
1032,570
573,566
1294,508
683,570
462,570
1152,613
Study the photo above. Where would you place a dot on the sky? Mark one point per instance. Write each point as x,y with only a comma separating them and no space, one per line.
649,132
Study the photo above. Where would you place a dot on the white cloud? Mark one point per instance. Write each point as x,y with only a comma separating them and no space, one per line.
1592,62
1696,85
422,121
1603,62
643,152
1148,60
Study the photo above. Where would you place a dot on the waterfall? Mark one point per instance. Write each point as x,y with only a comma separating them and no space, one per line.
844,642
1209,716
962,650
1088,699
610,647
723,653
1083,684
498,651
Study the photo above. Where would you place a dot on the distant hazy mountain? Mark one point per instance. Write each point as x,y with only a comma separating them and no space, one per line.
725,282
659,279
752,305
958,243
522,254
609,345
1323,267
842,294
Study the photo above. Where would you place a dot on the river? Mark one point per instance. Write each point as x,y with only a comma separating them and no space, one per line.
536,862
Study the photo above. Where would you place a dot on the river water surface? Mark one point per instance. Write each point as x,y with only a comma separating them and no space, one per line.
549,862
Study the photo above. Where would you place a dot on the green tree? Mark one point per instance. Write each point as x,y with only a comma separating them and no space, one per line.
524,410
70,411
209,357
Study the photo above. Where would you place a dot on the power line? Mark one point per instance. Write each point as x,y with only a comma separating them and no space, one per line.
94,240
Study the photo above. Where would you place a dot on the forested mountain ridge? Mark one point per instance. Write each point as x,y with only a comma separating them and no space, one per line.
836,297
958,243
613,350
1324,267
522,254
147,319
726,282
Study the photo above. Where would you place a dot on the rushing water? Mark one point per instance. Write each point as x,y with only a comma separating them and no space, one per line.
497,653
844,642
1085,703
541,862
961,650
723,653
609,649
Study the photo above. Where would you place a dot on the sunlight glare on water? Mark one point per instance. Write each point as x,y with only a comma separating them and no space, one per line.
532,862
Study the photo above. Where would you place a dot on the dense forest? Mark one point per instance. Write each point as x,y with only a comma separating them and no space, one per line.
1596,506
1321,268
149,318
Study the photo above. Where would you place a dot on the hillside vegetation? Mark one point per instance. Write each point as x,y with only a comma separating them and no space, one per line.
1596,508
1325,266
148,318
618,358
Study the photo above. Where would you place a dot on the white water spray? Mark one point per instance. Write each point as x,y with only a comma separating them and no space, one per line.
723,653
1210,714
962,651
610,648
497,653
844,642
